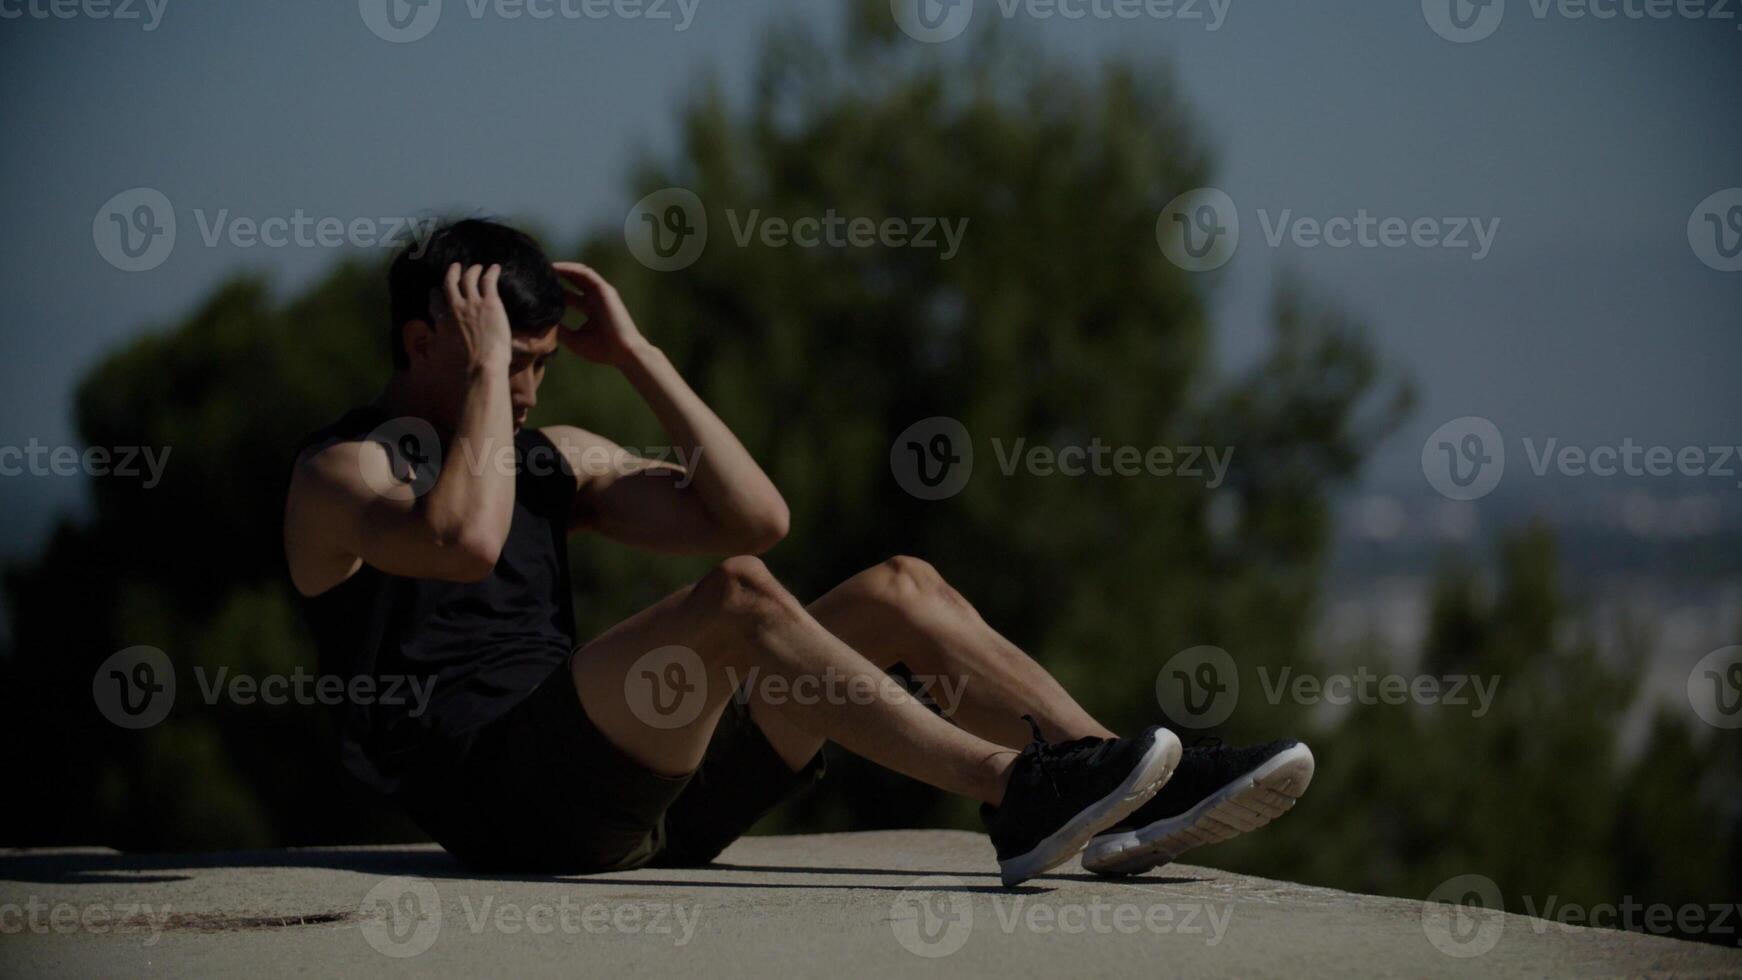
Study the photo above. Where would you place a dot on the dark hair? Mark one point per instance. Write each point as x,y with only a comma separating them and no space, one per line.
529,288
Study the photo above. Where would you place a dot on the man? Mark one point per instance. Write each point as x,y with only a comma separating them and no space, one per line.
644,746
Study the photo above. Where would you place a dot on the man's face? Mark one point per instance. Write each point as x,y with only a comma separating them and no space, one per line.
526,370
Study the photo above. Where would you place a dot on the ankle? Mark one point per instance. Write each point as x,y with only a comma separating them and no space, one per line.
998,767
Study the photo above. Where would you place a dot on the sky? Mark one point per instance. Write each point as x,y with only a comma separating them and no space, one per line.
1583,146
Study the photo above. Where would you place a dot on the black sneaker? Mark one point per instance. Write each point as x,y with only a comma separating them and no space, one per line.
1219,792
1061,795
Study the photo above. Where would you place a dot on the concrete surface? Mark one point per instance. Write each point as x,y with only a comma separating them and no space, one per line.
898,902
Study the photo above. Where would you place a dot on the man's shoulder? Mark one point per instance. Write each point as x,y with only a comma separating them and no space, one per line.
354,426
342,453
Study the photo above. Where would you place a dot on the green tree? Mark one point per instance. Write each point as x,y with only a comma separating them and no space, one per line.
1059,322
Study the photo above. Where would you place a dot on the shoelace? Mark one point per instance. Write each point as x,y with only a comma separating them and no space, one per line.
1044,749
1039,746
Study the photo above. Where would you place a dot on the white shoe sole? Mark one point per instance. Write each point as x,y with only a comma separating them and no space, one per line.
1147,777
1243,805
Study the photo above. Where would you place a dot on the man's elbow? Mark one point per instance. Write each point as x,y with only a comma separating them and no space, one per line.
767,528
469,554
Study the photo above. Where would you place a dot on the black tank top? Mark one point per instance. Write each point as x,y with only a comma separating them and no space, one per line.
475,648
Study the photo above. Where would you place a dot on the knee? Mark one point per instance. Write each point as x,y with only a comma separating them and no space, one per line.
905,580
742,591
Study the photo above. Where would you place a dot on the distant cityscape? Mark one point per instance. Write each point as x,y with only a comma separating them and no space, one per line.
1667,558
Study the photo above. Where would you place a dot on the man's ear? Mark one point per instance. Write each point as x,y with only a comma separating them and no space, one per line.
418,338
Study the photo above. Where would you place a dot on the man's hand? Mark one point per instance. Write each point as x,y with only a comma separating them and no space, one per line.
471,324
723,503
609,336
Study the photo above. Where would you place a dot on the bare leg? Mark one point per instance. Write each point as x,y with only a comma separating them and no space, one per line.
735,621
903,611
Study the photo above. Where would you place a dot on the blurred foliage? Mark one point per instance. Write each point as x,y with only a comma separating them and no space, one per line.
1059,321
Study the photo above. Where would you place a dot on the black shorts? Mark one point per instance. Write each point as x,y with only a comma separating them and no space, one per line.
542,790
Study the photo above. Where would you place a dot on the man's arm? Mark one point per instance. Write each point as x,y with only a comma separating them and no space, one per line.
348,506
722,504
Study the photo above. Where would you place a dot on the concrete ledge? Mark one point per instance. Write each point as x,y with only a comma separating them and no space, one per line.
912,902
